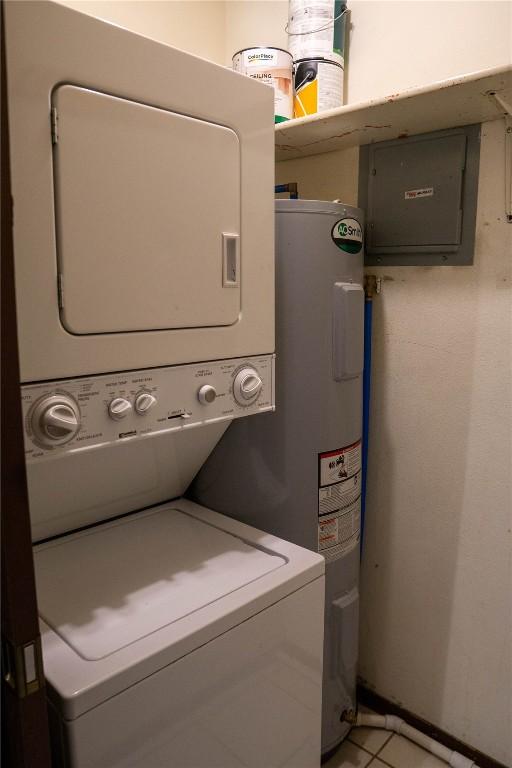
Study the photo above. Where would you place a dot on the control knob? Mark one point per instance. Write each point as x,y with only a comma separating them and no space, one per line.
118,408
55,419
207,394
247,386
144,401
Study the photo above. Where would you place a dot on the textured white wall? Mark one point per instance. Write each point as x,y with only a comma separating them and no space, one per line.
394,44
254,23
436,624
397,45
436,630
196,26
332,176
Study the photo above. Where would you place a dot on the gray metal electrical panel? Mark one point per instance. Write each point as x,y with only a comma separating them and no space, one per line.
420,194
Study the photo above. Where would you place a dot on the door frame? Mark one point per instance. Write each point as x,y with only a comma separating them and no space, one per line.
25,736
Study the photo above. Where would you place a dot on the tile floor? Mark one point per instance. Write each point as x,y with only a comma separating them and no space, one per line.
380,749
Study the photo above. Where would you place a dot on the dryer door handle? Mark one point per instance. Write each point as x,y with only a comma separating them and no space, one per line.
230,260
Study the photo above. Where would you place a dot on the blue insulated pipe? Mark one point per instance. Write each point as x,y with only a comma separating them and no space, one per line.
368,318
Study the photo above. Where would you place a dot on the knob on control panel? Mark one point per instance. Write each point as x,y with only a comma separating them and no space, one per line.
118,408
144,401
207,394
247,386
55,419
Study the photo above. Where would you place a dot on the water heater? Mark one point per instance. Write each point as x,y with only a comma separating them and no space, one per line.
297,472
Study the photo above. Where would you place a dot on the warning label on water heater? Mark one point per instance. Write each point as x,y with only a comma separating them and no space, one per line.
338,533
339,500
336,466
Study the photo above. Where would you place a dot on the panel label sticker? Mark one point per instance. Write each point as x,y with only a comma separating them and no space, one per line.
339,500
413,194
347,234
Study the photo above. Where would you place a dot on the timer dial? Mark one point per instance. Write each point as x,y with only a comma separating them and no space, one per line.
247,386
55,419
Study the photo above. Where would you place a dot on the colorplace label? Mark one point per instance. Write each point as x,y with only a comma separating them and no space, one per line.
348,235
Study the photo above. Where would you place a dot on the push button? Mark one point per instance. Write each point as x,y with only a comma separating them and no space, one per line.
206,394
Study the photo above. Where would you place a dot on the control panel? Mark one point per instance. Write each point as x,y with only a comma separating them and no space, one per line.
77,414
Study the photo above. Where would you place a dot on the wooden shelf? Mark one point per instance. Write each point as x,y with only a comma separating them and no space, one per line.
445,104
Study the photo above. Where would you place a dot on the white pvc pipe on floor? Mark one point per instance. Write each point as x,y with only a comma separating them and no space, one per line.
396,724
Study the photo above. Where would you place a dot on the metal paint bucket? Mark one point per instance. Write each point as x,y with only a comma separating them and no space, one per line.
316,28
274,67
318,86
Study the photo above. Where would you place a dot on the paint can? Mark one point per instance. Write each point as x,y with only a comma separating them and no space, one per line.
318,86
316,28
274,67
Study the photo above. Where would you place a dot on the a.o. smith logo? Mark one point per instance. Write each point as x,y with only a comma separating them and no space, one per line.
347,235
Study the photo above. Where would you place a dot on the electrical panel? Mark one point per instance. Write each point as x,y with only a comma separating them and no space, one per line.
420,194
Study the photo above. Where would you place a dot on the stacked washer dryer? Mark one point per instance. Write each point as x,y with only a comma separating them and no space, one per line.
143,242
297,473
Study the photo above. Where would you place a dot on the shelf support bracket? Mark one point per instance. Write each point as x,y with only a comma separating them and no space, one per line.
508,152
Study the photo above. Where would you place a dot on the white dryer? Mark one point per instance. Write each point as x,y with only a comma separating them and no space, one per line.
142,180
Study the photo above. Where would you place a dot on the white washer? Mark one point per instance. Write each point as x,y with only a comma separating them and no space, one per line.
179,637
172,636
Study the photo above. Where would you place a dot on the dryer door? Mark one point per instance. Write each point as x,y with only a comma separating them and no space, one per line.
134,253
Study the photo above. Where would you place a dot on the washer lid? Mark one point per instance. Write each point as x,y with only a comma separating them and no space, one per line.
109,586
